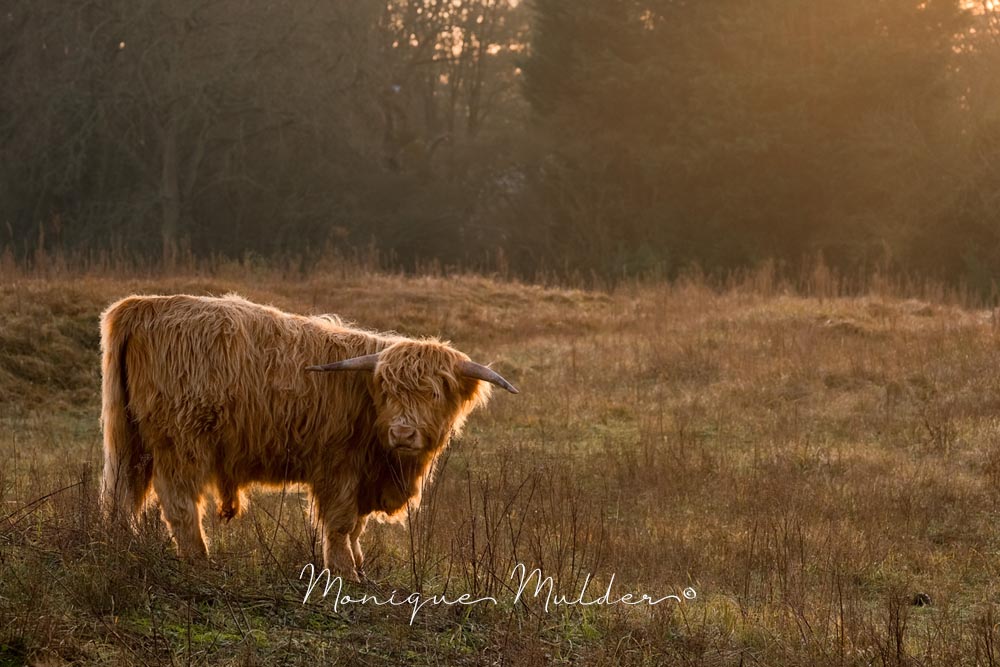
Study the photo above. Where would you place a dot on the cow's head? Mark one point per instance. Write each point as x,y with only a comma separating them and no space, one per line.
423,391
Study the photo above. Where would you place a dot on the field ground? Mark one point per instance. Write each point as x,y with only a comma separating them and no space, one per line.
809,466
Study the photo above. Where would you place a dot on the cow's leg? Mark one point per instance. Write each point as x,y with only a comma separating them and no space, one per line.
359,557
337,555
336,514
180,489
230,500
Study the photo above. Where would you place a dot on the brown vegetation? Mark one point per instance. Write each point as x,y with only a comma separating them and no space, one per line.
809,464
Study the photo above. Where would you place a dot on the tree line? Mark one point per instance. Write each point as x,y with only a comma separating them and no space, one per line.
594,137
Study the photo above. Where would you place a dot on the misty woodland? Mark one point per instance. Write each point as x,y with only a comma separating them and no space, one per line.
537,137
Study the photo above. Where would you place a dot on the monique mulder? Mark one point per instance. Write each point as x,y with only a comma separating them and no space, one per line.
544,588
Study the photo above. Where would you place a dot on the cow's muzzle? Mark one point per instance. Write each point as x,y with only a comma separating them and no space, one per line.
401,435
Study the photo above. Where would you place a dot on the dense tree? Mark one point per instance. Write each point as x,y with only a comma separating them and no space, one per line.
726,132
228,127
589,137
955,232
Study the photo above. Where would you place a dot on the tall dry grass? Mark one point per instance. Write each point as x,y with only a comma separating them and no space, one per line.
812,464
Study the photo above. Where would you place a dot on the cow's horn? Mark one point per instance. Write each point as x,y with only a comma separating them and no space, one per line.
365,363
471,369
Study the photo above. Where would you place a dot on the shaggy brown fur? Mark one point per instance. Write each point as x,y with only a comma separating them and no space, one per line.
210,394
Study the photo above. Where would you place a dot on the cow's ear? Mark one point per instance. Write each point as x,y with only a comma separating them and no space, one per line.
475,392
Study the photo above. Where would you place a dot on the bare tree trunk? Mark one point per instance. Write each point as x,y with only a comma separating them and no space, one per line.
170,194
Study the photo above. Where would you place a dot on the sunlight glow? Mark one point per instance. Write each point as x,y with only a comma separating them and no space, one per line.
981,6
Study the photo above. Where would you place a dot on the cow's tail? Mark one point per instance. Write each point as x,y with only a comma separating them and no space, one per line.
128,465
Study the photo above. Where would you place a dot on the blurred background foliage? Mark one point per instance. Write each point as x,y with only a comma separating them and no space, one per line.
601,138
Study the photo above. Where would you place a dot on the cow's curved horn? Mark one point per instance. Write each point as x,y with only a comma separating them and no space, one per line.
471,369
365,363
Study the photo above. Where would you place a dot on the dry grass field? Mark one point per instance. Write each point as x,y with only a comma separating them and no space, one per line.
823,471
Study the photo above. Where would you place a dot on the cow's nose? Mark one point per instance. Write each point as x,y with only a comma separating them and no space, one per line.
402,435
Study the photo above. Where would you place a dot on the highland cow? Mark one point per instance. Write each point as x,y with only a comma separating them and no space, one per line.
213,395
